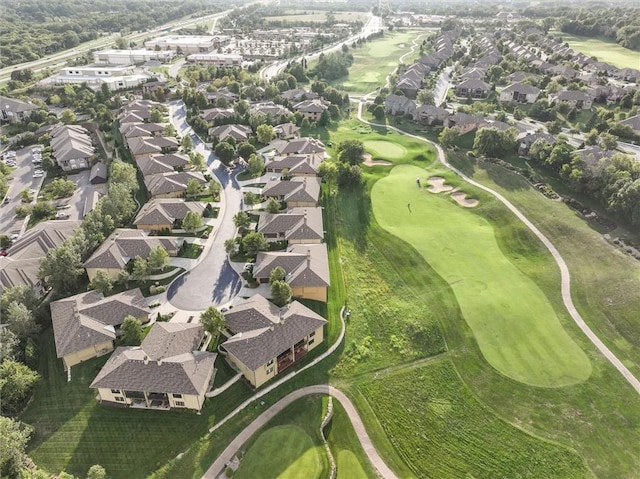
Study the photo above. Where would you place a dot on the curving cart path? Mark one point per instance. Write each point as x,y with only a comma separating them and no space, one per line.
220,463
565,276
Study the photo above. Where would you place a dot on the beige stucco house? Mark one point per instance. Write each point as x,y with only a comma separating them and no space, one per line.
170,369
296,226
267,340
84,325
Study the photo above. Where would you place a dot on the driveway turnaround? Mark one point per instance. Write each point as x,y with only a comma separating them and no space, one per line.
220,463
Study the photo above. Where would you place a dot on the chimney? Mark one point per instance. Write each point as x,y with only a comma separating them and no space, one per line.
159,362
308,258
146,359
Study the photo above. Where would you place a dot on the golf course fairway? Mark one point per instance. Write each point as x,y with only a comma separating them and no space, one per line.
516,328
385,149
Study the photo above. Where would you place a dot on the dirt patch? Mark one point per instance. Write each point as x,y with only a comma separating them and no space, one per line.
437,185
369,161
462,199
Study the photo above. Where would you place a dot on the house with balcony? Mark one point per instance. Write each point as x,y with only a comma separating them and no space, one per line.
84,325
575,98
520,93
473,88
312,110
297,225
267,340
170,369
306,265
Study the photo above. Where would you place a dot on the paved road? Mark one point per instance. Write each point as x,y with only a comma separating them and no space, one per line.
213,280
565,281
219,465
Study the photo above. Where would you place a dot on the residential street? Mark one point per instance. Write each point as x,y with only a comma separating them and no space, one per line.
213,280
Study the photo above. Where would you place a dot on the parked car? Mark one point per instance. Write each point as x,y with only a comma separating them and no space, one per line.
38,174
14,236
63,207
61,215
3,252
6,200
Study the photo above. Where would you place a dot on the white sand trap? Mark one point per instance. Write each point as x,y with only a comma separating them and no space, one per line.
369,161
437,185
462,200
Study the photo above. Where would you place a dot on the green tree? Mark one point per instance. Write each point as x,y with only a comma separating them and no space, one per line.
191,222
378,112
97,472
280,293
214,188
493,142
169,130
273,206
591,138
246,150
607,141
15,436
351,151
61,269
156,115
193,189
131,331
19,294
5,241
123,277
20,320
118,204
265,134
158,258
253,242
101,282
25,195
17,383
255,165
230,246
213,322
196,160
277,274
186,143
9,344
328,171
67,116
225,152
61,188
241,220
43,210
425,97
125,174
140,269
448,137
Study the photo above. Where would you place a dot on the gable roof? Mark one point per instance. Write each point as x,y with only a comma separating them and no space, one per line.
11,104
301,146
167,361
88,319
295,224
316,105
162,211
305,264
125,244
41,238
474,84
237,131
171,182
524,88
22,272
286,129
296,189
263,331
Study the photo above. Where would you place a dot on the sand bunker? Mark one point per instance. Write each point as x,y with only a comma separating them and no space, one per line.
462,200
369,161
437,185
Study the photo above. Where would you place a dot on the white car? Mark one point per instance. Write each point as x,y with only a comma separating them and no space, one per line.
61,215
36,149
14,236
9,154
38,174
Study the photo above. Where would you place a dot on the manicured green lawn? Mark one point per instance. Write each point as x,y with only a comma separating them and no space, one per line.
445,432
282,452
512,320
374,60
385,149
603,50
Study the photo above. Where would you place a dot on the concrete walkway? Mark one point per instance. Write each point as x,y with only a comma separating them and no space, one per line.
565,281
227,455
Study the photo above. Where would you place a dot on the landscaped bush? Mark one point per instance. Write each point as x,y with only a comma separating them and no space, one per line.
153,290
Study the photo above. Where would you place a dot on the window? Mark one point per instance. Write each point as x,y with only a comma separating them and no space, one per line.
270,363
119,399
177,396
180,403
115,391
311,341
312,334
270,370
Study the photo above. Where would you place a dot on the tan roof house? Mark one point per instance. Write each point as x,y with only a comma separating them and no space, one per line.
304,146
297,225
520,93
144,146
267,340
286,131
473,88
84,325
164,214
465,122
157,164
577,99
239,133
122,246
429,115
307,267
399,105
311,109
213,114
131,130
299,191
295,165
71,147
170,369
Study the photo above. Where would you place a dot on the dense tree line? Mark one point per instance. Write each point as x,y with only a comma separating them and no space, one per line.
33,29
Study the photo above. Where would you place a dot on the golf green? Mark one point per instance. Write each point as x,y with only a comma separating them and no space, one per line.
516,328
281,452
349,467
385,149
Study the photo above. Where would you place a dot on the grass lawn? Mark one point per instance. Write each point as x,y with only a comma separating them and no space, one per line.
374,60
190,250
385,149
603,50
298,16
444,426
517,329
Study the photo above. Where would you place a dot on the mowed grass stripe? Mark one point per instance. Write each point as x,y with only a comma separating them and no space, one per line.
517,330
282,452
604,51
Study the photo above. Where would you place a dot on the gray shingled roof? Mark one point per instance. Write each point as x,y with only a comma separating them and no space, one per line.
41,238
171,182
305,264
11,104
301,146
263,331
167,361
297,189
23,272
296,223
162,211
88,319
125,244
